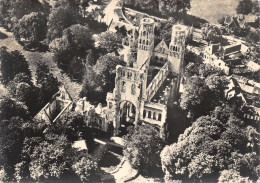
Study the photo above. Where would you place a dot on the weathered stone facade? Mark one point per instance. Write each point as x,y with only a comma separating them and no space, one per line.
142,89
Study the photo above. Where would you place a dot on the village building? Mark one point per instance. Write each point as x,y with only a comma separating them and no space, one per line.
246,94
227,58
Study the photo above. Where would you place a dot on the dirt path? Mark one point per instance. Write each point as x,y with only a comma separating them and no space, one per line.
34,57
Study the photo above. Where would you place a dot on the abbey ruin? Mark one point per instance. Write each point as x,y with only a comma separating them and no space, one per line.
144,87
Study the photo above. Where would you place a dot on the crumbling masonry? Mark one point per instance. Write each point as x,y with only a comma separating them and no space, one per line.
144,87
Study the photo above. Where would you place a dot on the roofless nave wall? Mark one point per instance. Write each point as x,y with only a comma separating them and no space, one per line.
133,98
142,90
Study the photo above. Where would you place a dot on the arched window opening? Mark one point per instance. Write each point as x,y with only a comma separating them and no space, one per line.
146,42
133,89
129,75
110,105
144,113
123,87
133,109
149,114
159,117
154,115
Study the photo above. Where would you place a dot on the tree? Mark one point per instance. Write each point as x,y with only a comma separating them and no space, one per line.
74,4
244,7
93,87
106,68
202,81
85,168
84,4
255,8
74,126
12,108
70,50
143,5
211,33
212,144
5,19
232,176
48,158
14,10
143,147
22,88
170,7
191,57
11,140
163,32
12,63
60,18
101,78
110,41
31,29
252,37
90,59
48,85
195,98
24,7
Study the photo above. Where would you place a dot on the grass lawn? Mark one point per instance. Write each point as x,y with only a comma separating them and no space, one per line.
211,10
34,57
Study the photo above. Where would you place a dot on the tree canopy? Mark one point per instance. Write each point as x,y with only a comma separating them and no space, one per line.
60,18
22,89
110,41
12,63
169,7
48,84
101,78
74,126
11,140
143,147
13,10
244,7
203,84
211,33
199,94
212,144
71,50
31,28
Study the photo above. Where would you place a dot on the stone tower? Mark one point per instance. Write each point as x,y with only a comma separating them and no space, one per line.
145,41
177,48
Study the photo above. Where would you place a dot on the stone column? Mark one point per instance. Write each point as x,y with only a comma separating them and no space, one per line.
117,120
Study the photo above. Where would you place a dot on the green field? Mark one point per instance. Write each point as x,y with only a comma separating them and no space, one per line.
211,10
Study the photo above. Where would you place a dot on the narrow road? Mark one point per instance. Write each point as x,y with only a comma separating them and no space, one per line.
109,11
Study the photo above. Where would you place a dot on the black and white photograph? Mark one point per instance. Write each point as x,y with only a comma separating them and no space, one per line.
129,91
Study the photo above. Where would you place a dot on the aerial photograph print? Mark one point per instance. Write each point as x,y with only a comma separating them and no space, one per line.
129,91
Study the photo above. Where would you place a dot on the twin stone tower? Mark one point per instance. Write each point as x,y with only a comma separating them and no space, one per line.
144,88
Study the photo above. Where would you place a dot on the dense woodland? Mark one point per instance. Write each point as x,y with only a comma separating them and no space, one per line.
218,146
